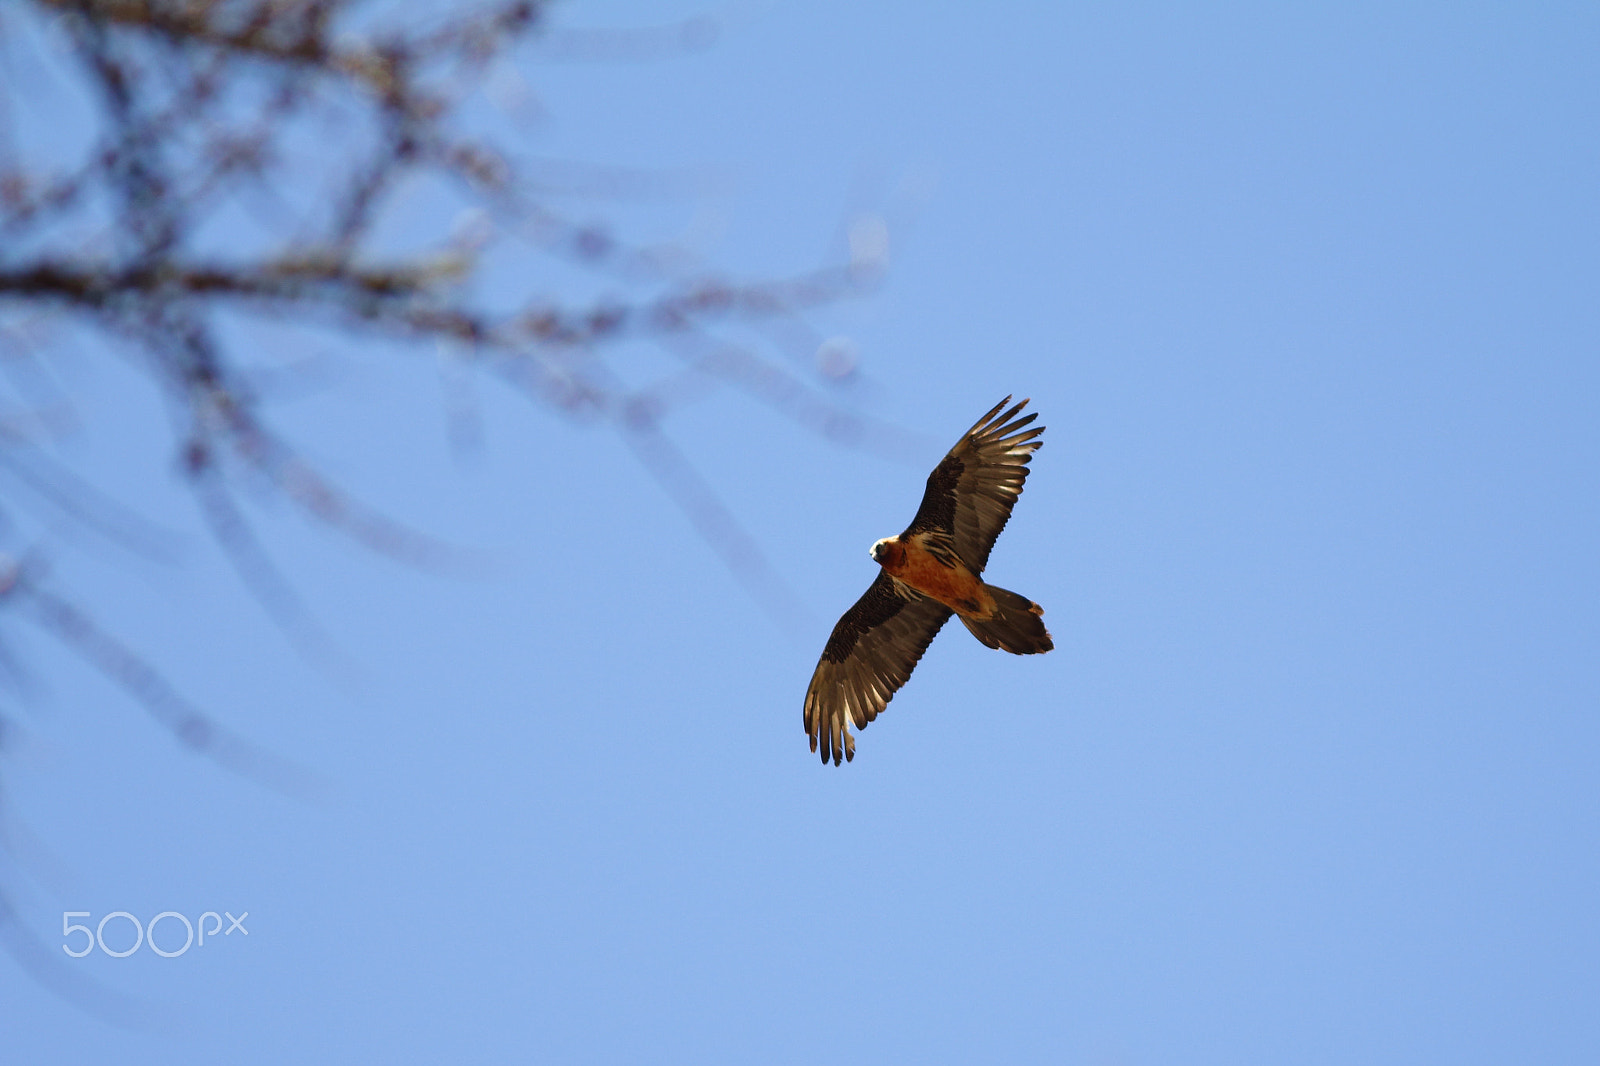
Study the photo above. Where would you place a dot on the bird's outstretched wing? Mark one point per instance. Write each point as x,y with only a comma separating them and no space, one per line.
971,492
869,656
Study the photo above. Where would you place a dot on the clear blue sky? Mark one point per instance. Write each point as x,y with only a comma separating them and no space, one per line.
1310,303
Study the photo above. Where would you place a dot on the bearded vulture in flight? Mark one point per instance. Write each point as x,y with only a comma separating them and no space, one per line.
929,572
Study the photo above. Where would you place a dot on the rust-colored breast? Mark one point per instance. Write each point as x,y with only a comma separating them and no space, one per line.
955,587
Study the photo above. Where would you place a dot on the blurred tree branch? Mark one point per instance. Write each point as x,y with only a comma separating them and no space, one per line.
200,104
197,109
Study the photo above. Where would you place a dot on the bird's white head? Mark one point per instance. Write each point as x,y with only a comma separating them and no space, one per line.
880,549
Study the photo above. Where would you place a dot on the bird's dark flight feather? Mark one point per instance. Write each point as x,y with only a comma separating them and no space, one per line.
869,656
971,492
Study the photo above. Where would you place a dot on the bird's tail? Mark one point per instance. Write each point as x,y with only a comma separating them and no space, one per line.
1015,627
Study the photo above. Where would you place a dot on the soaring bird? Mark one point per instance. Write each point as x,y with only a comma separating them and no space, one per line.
930,571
